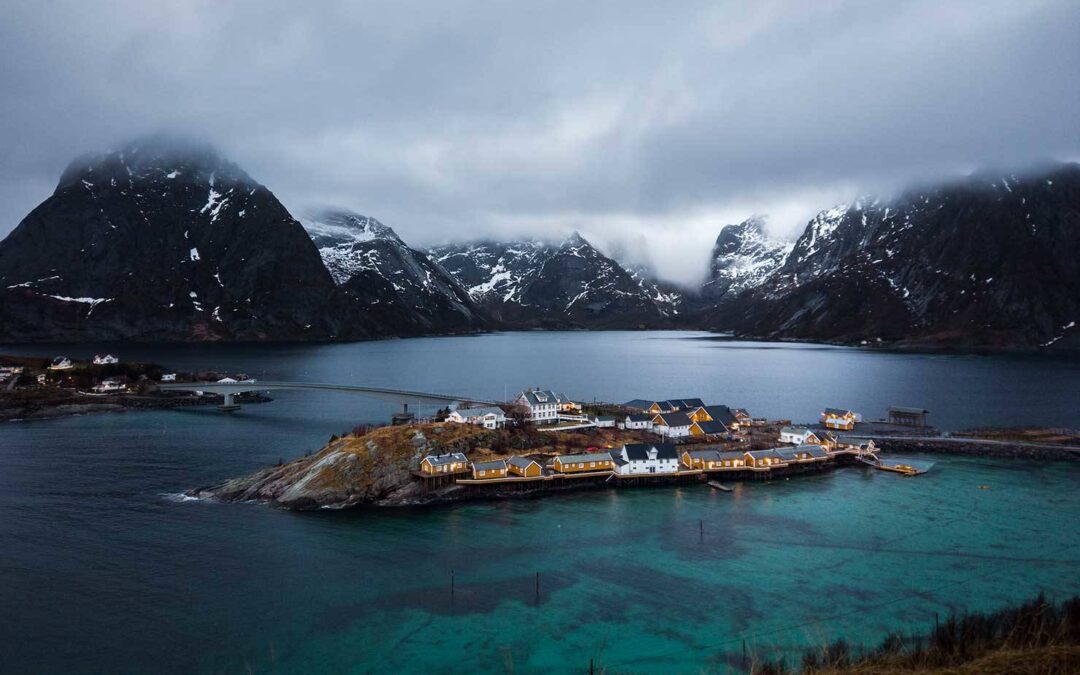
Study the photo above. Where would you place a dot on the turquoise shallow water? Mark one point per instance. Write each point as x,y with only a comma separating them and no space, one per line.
104,570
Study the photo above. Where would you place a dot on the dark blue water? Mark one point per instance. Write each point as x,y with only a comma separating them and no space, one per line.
104,569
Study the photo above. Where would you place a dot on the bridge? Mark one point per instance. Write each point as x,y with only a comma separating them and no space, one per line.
403,397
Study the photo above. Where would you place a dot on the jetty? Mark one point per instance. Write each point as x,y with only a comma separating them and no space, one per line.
871,459
717,485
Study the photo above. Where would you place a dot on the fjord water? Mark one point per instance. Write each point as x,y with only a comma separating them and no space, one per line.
105,569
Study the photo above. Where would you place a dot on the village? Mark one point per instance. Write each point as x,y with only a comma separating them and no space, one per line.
694,441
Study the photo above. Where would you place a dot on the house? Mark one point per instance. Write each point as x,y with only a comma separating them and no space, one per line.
542,404
228,380
672,424
788,455
857,444
743,417
168,377
597,461
453,462
838,418
566,405
61,363
699,429
41,378
645,458
716,413
685,404
701,459
105,359
523,466
638,421
657,407
762,458
488,470
908,417
489,417
109,386
798,436
810,452
604,421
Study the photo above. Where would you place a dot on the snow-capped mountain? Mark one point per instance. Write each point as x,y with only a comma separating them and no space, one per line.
388,278
990,261
165,239
742,258
533,283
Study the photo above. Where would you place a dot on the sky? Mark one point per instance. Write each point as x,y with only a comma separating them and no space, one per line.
646,126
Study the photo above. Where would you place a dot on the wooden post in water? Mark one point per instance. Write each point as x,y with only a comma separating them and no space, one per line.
745,662
701,529
451,583
537,587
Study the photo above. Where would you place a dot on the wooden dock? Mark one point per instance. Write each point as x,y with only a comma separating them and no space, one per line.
717,485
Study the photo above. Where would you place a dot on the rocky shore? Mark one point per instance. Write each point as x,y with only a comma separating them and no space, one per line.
979,448
65,404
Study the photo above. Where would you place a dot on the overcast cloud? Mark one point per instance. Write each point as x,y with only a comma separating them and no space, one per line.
647,126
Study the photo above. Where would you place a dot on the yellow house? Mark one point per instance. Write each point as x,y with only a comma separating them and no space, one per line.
522,466
597,461
762,458
487,470
435,465
709,460
707,428
835,418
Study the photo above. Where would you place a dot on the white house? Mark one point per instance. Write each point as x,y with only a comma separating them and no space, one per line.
489,417
604,422
228,380
646,458
60,363
542,404
638,421
168,377
798,436
673,424
105,359
109,386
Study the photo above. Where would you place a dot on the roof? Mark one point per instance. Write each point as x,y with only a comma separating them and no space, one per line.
480,412
733,454
722,414
795,430
665,406
606,418
705,454
712,427
640,451
483,466
521,462
449,458
590,457
639,417
741,411
907,411
539,396
682,403
673,419
561,398
812,450
787,453
838,411
758,454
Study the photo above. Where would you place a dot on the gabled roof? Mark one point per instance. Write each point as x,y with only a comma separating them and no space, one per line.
606,418
539,396
522,462
812,450
449,458
684,403
787,453
639,452
590,457
741,411
722,414
664,406
733,454
639,417
838,411
484,466
480,412
759,454
795,430
673,419
705,454
711,427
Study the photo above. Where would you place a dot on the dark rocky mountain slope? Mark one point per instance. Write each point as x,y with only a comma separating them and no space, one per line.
992,261
163,241
390,281
570,285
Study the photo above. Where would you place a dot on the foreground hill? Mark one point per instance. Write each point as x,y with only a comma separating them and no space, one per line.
159,241
533,284
988,262
387,279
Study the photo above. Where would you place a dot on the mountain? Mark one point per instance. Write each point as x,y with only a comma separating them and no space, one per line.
742,258
992,261
569,285
380,273
166,240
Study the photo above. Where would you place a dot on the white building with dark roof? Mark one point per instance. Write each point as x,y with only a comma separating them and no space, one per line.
635,459
489,417
542,404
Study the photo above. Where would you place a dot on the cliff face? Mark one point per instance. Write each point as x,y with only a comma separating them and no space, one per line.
162,241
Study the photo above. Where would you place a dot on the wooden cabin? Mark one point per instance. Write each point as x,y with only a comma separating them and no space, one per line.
711,460
672,425
706,429
523,466
597,461
762,458
435,465
838,418
488,470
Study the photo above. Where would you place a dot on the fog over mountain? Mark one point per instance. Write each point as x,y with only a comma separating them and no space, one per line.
643,126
